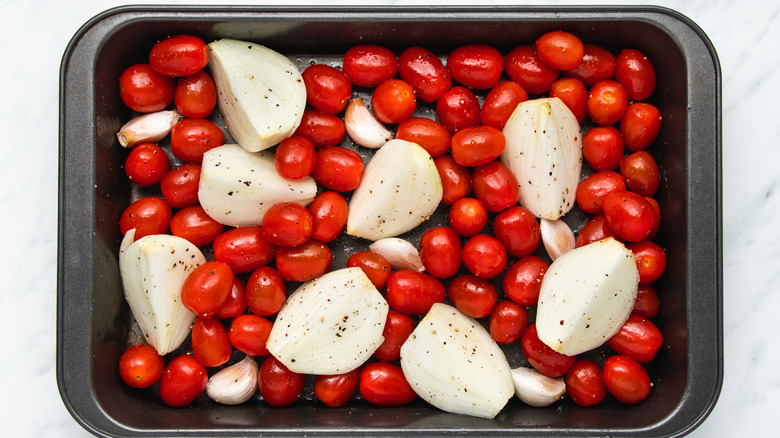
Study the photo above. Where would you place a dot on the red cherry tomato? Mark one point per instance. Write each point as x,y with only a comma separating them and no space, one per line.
500,103
507,322
602,148
191,138
249,334
368,65
278,385
244,249
327,89
467,217
235,304
518,230
195,95
180,185
523,280
484,256
640,125
473,296
303,262
206,288
592,190
321,129
641,173
455,179
657,220
429,134
594,230
546,360
393,101
560,50
287,224
147,164
140,366
179,55
647,304
265,292
329,212
413,293
458,109
476,66
495,186
597,64
210,344
338,168
636,73
183,381
294,158
193,224
626,380
585,383
440,252
375,266
638,339
144,90
650,260
336,390
607,101
424,72
384,384
150,215
477,145
397,329
524,66
573,94
630,216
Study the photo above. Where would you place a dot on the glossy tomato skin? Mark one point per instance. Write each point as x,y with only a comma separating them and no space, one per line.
543,358
524,66
146,164
278,385
294,158
374,265
140,366
144,90
191,138
630,216
606,103
594,230
393,101
244,249
193,224
585,383
500,103
573,94
384,384
638,339
327,88
484,256
647,304
495,186
183,381
603,147
626,380
235,304
338,168
592,190
179,55
560,50
287,224
149,215
508,321
304,262
597,64
467,217
421,69
440,250
636,73
476,66
329,211
640,125
368,65
265,291
179,186
455,179
206,288
195,95
429,134
473,296
413,293
397,329
523,280
518,230
321,129
477,145
210,344
336,390
249,334
650,260
458,108
641,173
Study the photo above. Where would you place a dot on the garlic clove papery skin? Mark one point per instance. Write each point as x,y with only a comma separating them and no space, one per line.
399,253
536,389
557,236
235,384
363,128
148,128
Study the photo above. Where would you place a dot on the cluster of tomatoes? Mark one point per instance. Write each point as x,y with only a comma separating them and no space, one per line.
246,282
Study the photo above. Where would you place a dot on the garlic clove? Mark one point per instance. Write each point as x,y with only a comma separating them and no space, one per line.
557,236
536,389
363,128
235,384
150,128
400,253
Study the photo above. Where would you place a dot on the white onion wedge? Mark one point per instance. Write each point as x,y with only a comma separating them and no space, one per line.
557,236
451,362
536,389
330,325
400,189
150,127
363,128
586,296
237,187
260,92
153,270
544,152
235,384
400,253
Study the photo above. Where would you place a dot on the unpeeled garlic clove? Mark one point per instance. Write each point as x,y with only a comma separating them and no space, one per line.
400,253
150,127
557,236
536,389
363,128
235,384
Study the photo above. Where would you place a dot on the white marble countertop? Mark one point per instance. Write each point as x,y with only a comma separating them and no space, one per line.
746,35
